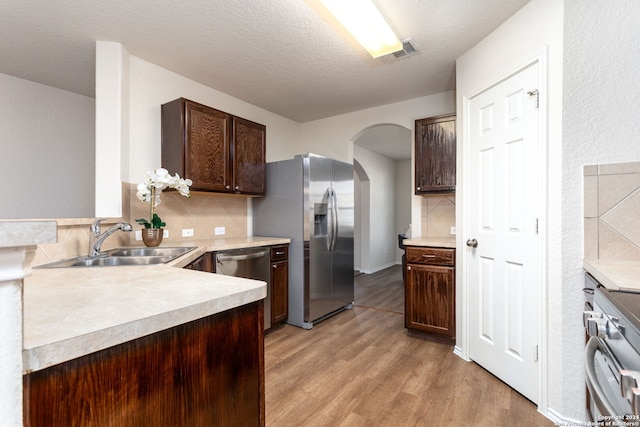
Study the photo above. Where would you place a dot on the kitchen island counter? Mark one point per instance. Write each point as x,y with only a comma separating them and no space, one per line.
72,312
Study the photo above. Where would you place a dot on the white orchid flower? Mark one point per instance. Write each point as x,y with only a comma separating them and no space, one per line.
151,189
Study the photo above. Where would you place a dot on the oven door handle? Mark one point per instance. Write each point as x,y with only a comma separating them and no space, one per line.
593,385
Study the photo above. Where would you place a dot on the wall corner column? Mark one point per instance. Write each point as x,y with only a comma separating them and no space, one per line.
18,240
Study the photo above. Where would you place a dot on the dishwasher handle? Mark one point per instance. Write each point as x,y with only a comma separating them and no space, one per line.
240,257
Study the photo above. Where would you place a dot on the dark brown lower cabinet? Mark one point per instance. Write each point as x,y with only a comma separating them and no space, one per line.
430,293
279,284
204,262
208,372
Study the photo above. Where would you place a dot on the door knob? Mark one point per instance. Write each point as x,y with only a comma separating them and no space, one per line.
472,243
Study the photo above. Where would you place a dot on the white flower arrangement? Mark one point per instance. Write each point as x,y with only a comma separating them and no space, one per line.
150,190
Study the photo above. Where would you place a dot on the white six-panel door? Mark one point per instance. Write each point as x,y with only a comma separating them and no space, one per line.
503,270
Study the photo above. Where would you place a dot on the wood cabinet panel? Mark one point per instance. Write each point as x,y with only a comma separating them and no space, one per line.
425,255
203,373
430,292
207,147
217,151
249,156
279,284
435,155
204,262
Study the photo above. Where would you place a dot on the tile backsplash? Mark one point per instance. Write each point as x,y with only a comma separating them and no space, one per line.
201,212
612,211
438,216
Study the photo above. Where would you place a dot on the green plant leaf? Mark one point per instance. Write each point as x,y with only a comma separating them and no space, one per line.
144,222
157,222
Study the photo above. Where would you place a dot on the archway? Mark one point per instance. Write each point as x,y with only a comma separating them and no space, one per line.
382,162
362,225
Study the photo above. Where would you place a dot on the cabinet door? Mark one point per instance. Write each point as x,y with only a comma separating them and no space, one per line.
280,291
207,148
435,151
249,144
430,299
203,263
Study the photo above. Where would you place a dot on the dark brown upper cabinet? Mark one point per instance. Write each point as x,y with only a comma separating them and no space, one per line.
217,151
435,155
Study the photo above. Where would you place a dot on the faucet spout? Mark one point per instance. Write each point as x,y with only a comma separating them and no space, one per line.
97,238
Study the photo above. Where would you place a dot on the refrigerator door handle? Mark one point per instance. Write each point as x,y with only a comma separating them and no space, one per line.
334,220
329,236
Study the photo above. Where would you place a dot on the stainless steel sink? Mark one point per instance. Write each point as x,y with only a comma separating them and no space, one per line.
123,256
121,260
147,252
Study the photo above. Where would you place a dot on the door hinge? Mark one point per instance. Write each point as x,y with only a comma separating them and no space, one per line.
537,95
535,353
536,225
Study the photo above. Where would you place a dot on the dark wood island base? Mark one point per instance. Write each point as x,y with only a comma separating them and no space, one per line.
206,372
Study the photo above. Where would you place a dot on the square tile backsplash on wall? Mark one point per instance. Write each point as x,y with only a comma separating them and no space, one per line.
438,216
202,213
612,211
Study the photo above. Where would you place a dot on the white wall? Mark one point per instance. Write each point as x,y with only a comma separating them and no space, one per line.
48,147
404,193
152,86
534,30
131,93
112,126
334,136
380,252
601,117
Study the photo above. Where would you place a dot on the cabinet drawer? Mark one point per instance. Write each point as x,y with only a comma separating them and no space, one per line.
434,256
279,253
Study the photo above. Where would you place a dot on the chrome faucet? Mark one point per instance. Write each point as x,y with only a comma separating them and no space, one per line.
96,238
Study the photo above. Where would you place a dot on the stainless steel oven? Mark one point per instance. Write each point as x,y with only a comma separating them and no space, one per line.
612,358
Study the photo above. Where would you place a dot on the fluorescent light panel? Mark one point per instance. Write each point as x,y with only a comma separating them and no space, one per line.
365,23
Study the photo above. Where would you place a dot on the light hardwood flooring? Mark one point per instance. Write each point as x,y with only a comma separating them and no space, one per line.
360,368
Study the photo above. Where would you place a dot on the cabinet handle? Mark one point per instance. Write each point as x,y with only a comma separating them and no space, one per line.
408,267
428,256
274,266
418,188
237,187
228,187
279,253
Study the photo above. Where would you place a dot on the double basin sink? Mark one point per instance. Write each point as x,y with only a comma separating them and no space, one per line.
124,256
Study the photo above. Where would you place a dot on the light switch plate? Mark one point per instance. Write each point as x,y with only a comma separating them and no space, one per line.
453,230
138,235
187,232
219,231
165,234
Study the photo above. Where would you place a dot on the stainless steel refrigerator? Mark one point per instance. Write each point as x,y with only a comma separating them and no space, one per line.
310,200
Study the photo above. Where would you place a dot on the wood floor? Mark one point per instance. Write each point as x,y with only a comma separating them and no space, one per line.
360,368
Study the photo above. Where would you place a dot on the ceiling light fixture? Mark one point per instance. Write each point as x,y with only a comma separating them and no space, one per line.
365,23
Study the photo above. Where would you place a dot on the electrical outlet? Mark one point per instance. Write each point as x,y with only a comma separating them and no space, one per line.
138,235
165,234
453,230
219,231
187,232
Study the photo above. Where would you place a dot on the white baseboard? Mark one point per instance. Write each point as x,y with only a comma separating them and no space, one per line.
379,268
559,420
458,352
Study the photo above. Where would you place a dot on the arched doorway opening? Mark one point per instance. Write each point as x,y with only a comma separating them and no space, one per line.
382,184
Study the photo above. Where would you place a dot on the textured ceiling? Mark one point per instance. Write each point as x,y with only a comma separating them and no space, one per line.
277,54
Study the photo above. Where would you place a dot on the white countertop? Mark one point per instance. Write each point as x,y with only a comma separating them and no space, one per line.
435,242
71,312
615,274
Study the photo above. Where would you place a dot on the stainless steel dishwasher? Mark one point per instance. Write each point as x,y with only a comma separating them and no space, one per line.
250,263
